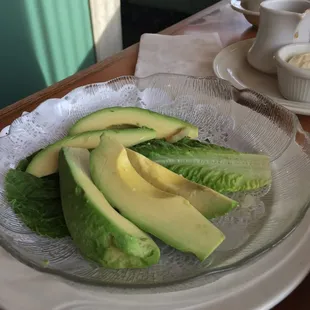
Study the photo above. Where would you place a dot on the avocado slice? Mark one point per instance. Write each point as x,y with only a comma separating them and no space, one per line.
165,126
169,217
182,133
46,161
99,231
207,201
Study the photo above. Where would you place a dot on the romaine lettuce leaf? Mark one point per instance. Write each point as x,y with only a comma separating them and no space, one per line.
219,168
36,201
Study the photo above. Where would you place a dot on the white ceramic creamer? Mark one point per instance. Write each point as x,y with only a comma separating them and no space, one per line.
282,22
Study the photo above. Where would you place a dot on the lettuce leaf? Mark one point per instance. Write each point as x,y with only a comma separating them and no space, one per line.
36,201
222,169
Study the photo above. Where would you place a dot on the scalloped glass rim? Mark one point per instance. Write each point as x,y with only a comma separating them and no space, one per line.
242,98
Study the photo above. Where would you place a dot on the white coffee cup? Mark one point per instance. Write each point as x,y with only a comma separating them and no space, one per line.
251,5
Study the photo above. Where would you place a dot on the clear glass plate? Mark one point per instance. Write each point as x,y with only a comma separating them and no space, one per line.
243,120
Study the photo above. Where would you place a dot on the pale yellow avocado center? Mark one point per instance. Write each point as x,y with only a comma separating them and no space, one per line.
207,201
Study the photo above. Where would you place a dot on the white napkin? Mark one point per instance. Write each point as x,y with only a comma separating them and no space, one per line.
191,54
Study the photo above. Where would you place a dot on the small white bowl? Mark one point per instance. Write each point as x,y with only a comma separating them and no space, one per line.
294,82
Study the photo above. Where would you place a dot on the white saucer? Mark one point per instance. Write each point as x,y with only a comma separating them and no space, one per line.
231,64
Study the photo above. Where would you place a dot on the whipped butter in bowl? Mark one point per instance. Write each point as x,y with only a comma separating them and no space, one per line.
300,61
293,70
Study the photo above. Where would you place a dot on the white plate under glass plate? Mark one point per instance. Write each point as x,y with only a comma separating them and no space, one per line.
258,285
231,64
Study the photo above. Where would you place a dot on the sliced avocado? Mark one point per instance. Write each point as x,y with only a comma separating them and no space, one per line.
99,231
207,201
169,217
164,125
182,133
46,161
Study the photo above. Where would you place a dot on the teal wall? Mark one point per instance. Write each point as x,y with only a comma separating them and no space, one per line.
42,42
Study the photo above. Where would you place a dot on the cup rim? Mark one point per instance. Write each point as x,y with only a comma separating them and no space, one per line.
264,5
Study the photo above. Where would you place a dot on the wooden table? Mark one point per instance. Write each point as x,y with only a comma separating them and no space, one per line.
231,26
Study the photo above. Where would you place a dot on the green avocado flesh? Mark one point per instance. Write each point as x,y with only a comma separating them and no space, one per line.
169,217
208,202
99,231
46,161
165,126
